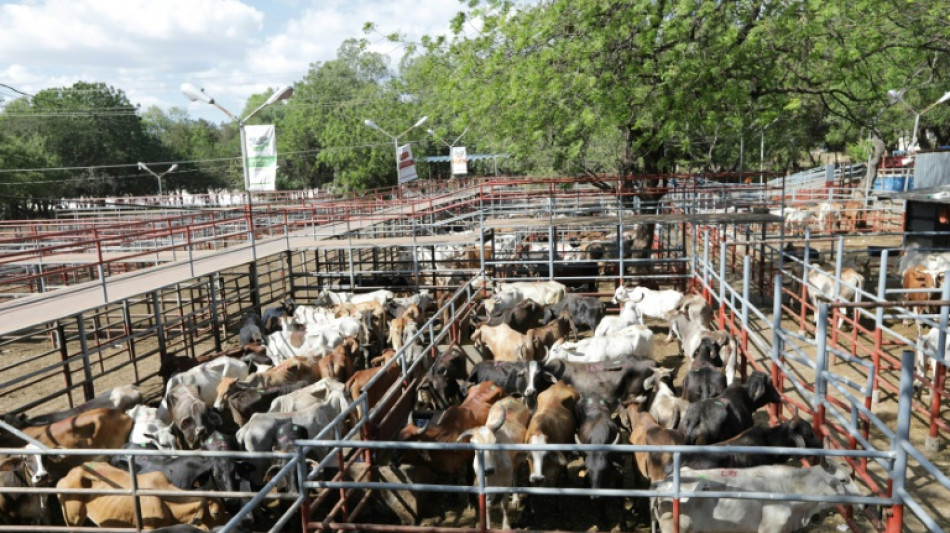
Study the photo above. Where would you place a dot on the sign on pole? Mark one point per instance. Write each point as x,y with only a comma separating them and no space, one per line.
459,160
407,165
261,157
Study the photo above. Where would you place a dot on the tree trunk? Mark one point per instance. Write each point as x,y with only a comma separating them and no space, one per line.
879,149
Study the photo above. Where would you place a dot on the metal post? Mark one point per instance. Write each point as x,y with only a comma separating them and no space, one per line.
87,385
216,324
722,280
932,441
551,245
821,364
159,326
247,192
777,346
899,470
878,329
744,336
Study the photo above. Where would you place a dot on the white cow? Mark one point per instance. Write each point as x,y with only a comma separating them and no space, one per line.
633,341
821,286
305,397
730,515
611,324
651,303
543,292
206,377
148,427
313,342
327,297
258,434
927,347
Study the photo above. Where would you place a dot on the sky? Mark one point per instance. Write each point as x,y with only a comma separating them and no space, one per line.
231,48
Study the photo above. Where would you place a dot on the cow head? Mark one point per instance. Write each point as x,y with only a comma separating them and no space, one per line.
486,435
760,390
802,434
622,294
838,476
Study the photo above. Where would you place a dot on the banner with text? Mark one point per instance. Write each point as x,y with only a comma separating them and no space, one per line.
407,165
459,160
261,146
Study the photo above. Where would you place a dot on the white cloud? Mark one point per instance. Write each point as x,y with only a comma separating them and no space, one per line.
231,48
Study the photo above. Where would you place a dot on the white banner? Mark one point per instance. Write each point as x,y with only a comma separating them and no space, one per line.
261,146
407,165
459,160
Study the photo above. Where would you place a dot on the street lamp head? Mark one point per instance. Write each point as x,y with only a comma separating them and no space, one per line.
282,93
421,121
195,94
944,98
895,95
371,124
431,132
142,166
172,168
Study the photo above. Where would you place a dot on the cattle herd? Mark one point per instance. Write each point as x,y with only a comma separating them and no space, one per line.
555,370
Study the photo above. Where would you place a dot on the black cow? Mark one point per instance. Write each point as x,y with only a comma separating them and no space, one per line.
252,330
273,315
193,472
243,399
794,433
440,386
527,378
584,310
521,317
725,416
595,427
703,382
615,383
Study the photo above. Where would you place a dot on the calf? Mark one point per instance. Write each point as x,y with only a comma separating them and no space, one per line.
505,425
543,292
471,413
117,511
725,416
191,417
611,324
794,433
552,423
242,400
205,378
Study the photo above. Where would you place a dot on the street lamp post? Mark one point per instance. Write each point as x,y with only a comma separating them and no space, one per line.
143,166
895,96
198,95
395,138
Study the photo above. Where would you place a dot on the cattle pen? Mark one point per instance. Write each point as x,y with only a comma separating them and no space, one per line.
99,300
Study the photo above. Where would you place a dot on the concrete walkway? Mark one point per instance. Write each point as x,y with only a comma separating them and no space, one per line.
22,313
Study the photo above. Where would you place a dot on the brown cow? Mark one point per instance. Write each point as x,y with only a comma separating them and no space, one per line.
109,510
472,412
917,277
95,429
358,381
644,430
553,423
554,330
338,364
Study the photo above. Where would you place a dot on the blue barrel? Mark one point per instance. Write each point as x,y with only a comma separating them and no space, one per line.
892,183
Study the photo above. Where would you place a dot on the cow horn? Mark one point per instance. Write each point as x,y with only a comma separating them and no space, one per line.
577,439
467,434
